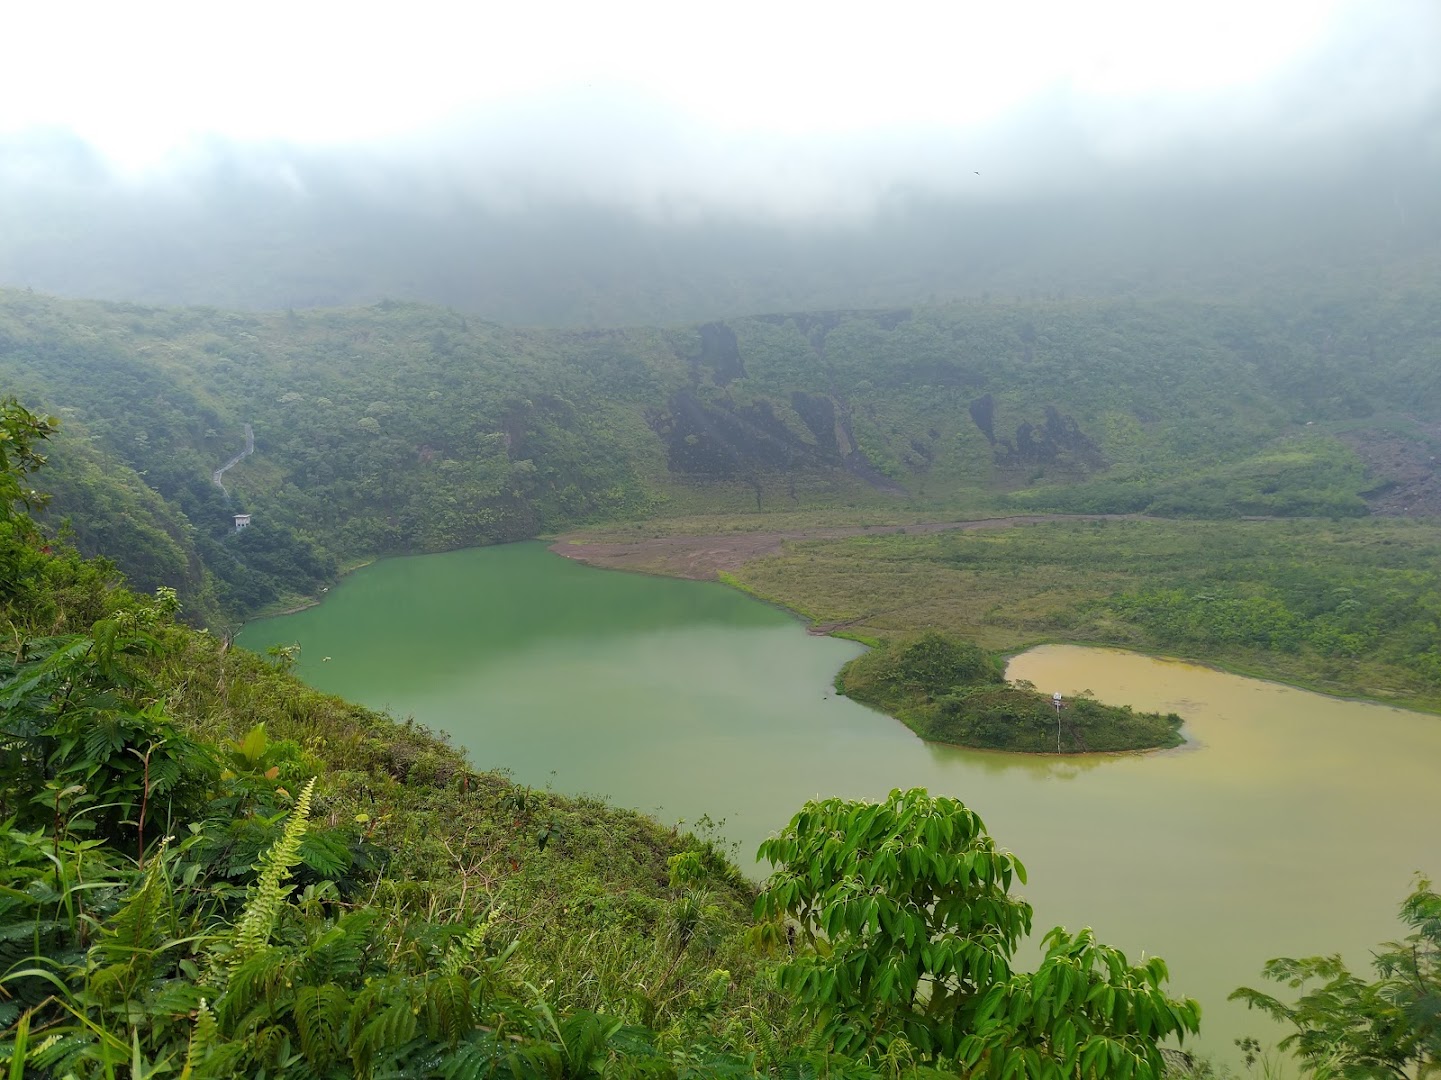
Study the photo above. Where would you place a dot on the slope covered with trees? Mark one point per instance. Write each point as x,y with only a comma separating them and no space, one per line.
403,428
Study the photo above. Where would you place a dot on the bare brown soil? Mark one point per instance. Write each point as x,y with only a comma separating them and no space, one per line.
700,558
1408,469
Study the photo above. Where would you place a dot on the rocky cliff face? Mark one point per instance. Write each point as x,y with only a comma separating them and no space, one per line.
1057,438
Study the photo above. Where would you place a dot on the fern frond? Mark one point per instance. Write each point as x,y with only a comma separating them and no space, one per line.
327,855
149,912
335,954
177,997
584,1036
252,929
209,1057
58,1054
632,1042
165,774
124,958
391,1029
465,949
103,738
320,1013
254,981
222,1061
201,1038
476,1060
448,1010
269,1044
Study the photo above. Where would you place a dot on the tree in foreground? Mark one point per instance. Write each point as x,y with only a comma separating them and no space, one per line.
21,433
1345,1027
907,932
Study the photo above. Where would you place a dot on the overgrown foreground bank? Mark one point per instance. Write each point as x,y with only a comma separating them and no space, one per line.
208,869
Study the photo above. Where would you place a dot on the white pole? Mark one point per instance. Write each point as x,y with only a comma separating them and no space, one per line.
1056,701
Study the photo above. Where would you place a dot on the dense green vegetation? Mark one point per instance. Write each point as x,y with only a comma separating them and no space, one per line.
146,767
950,690
1346,607
211,870
1303,476
403,428
866,883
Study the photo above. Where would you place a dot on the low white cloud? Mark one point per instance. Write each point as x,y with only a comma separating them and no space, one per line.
802,109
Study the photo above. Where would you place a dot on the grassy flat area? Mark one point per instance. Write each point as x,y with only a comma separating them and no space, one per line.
891,512
1351,607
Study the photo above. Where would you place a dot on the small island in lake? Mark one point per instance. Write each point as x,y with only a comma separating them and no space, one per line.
950,690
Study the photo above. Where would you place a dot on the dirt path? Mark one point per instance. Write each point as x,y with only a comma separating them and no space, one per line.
215,477
701,557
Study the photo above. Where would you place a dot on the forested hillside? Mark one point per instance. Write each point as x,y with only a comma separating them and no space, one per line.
406,428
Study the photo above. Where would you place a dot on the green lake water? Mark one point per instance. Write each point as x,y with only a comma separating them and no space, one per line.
1290,825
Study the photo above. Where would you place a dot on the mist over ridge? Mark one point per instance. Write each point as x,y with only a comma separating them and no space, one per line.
276,227
601,202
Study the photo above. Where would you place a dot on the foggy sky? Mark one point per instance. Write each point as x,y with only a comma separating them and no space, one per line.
641,162
793,112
